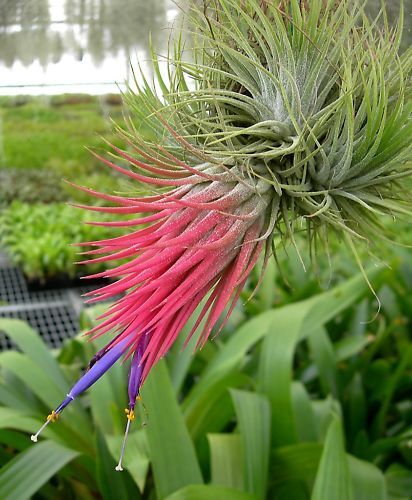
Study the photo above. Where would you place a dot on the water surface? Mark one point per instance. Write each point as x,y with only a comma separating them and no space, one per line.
57,46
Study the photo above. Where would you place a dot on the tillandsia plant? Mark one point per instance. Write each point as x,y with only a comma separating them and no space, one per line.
286,113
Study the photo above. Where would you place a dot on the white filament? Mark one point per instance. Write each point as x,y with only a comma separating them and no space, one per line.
119,465
34,437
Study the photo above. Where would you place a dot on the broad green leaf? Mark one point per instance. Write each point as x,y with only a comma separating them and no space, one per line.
11,418
30,470
390,387
333,478
208,407
14,394
312,313
304,416
14,441
275,370
235,349
327,305
111,484
266,292
172,452
253,415
367,480
136,457
324,411
226,460
44,367
33,376
356,408
210,492
350,346
359,319
322,352
322,307
75,432
31,344
297,491
294,463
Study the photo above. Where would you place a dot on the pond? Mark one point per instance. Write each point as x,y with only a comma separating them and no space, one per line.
59,46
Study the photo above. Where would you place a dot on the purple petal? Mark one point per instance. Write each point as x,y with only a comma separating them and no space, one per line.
106,358
136,370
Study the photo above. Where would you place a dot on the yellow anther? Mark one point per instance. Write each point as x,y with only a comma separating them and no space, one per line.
53,416
130,414
139,398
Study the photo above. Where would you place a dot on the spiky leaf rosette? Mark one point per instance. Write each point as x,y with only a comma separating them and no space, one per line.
286,111
312,94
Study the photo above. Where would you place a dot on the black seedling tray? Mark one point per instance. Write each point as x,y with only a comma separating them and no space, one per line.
13,287
53,313
56,321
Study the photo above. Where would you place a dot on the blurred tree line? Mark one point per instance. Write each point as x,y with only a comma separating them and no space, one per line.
99,27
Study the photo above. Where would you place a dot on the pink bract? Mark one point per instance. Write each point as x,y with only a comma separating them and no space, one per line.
202,237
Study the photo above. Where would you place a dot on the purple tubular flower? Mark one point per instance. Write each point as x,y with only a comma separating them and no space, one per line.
104,360
102,352
99,368
135,382
136,370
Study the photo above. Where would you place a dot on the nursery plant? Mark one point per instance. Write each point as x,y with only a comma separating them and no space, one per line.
36,185
37,238
289,116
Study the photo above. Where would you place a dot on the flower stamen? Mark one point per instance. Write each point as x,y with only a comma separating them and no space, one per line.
130,415
52,417
135,380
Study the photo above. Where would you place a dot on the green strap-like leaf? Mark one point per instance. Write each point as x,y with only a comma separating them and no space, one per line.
111,484
210,492
31,344
226,460
73,428
322,308
39,370
367,480
136,457
209,407
288,325
399,481
10,418
172,452
275,370
322,352
304,414
253,415
295,463
33,376
333,479
28,471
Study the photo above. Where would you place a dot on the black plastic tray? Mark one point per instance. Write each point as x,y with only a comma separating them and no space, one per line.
53,313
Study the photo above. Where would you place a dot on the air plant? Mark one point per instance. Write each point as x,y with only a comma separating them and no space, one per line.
286,112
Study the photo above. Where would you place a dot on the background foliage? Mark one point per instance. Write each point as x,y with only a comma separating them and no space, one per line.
307,400
38,238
